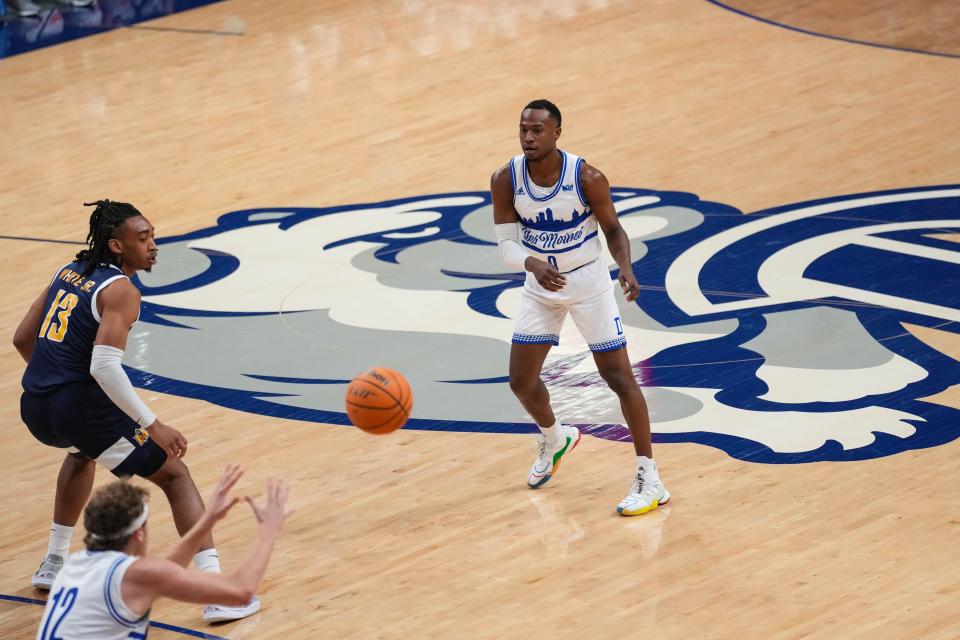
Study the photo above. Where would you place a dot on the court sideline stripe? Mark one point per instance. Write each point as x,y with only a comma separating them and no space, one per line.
160,625
29,239
829,36
204,32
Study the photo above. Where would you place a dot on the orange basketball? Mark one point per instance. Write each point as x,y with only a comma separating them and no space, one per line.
379,400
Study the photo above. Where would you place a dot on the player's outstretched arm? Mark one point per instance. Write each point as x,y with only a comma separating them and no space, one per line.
26,334
150,578
119,304
596,189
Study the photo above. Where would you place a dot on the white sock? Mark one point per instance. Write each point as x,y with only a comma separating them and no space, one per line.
207,560
59,544
650,472
551,434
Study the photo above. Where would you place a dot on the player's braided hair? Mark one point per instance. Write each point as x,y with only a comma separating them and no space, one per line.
105,220
111,510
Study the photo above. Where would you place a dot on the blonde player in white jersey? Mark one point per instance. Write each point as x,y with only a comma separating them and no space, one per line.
549,207
106,591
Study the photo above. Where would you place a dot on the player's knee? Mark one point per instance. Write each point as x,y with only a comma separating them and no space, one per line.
620,382
523,386
170,474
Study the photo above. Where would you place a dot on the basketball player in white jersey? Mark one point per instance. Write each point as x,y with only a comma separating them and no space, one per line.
549,207
106,591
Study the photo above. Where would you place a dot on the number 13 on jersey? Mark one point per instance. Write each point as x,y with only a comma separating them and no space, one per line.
56,329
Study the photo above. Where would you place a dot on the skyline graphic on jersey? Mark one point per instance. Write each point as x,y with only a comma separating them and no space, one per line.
546,222
802,333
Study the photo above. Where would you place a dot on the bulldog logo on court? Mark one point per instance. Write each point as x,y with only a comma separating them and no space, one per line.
815,331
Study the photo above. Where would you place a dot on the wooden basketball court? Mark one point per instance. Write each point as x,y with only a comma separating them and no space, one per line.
433,533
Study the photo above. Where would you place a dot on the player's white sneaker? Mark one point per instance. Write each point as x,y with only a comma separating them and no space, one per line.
47,573
549,455
220,613
643,496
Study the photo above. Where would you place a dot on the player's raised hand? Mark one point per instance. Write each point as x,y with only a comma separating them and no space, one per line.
220,502
629,284
272,510
168,439
546,274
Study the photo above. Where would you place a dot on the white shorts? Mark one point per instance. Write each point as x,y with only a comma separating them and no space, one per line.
589,297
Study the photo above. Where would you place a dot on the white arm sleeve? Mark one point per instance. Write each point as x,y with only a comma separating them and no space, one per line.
106,369
508,239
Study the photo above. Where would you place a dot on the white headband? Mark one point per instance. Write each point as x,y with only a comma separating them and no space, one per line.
133,526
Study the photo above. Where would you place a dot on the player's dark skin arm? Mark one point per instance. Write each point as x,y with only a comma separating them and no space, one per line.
119,306
26,334
596,190
501,191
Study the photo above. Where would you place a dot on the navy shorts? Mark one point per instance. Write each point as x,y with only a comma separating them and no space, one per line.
80,417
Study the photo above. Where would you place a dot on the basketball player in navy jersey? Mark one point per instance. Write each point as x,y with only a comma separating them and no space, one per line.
549,207
76,395
106,591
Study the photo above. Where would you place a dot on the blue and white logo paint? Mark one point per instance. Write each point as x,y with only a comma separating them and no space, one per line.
808,332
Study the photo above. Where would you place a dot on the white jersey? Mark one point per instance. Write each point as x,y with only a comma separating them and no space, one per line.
556,223
85,600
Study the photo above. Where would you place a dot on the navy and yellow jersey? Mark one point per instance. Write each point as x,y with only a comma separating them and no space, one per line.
68,328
